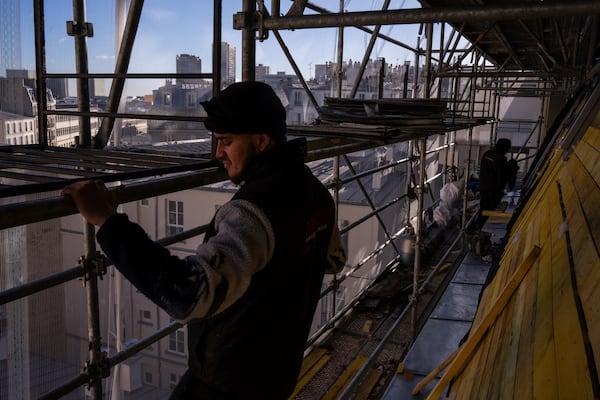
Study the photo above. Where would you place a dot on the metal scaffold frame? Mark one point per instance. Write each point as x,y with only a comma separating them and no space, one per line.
174,173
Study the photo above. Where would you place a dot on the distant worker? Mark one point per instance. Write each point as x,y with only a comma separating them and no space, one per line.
495,173
249,294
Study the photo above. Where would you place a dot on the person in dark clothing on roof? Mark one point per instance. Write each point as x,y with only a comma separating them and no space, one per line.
495,173
249,293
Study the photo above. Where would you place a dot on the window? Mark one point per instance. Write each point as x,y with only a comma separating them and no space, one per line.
148,377
174,217
191,99
298,98
167,101
177,341
173,380
144,202
145,315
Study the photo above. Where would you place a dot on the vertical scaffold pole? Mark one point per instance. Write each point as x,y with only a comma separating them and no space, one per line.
419,234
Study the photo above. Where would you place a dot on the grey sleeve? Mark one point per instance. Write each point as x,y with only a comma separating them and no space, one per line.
243,244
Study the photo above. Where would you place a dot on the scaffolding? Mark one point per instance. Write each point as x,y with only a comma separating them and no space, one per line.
493,66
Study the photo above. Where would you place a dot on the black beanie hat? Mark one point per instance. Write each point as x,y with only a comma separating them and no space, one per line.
503,145
246,107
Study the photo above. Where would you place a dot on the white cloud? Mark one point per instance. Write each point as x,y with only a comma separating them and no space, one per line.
159,14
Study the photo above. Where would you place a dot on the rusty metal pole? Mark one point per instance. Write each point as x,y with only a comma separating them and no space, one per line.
415,88
340,54
497,12
496,114
216,56
470,141
275,8
405,80
420,230
441,61
541,127
93,366
428,50
419,236
123,56
381,78
336,159
40,70
80,30
249,41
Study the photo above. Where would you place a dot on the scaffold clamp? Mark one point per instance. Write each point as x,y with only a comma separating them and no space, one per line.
98,370
262,33
96,265
75,28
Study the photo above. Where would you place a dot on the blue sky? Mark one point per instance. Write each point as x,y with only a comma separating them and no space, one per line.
171,27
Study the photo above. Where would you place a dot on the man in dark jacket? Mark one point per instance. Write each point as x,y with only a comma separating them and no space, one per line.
249,294
495,173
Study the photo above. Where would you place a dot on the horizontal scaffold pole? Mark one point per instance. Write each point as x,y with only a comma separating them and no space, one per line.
423,15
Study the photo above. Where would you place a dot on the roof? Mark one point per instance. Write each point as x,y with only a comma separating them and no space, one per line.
536,330
10,116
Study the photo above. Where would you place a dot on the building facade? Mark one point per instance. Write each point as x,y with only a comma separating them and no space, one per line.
67,128
188,64
181,100
58,86
261,71
18,96
17,129
227,64
10,35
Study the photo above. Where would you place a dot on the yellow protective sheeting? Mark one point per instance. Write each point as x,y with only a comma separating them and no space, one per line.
545,342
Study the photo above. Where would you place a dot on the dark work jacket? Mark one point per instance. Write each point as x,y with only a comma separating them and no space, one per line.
494,174
254,349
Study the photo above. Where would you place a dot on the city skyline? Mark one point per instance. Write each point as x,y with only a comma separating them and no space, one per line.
183,27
